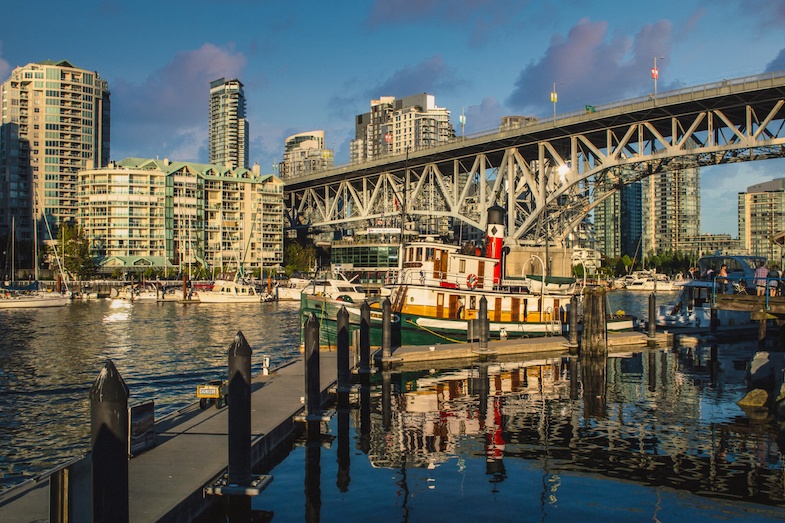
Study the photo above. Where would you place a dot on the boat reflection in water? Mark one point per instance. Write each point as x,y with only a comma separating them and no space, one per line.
651,435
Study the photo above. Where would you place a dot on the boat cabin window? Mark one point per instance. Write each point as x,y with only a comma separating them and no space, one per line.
462,266
429,254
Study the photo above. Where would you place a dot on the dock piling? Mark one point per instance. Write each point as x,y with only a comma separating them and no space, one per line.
652,316
312,394
239,354
595,324
344,372
485,327
109,445
573,342
386,329
365,338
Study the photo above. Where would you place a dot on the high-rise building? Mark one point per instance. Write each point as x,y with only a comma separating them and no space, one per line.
141,213
54,123
395,126
671,209
761,217
617,223
228,140
304,154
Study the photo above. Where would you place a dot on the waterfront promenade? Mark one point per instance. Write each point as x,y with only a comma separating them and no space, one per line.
165,482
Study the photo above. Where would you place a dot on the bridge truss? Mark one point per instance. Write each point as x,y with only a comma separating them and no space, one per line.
551,174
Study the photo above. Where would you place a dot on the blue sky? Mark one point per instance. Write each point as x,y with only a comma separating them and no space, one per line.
315,65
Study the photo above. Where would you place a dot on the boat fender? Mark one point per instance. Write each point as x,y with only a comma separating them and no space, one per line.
471,281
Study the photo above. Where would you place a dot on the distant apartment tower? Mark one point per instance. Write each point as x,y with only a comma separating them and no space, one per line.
761,217
54,123
395,126
304,154
228,141
618,223
144,213
671,209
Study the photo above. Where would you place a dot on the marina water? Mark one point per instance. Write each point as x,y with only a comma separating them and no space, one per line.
669,444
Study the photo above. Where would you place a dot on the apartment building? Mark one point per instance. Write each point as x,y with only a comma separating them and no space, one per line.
181,216
228,136
394,126
671,209
54,122
304,154
761,217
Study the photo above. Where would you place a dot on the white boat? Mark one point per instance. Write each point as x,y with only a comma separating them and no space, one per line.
292,289
692,307
649,281
230,291
27,299
334,286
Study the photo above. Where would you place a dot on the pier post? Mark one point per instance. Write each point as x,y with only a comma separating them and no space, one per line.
312,393
365,338
239,411
762,329
239,356
652,316
386,329
714,321
344,373
109,446
573,342
485,326
594,341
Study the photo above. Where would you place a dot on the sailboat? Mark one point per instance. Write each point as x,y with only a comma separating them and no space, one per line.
30,296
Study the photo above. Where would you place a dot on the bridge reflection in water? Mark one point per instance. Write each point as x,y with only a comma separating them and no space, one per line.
651,434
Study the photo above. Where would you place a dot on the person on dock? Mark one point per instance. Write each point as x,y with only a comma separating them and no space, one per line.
722,279
774,278
761,273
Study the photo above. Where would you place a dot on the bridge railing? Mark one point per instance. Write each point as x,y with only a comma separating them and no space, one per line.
724,285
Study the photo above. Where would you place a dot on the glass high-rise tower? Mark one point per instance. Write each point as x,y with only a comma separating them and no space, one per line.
54,123
228,141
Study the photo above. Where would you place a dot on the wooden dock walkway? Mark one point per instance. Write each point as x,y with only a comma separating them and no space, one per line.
166,482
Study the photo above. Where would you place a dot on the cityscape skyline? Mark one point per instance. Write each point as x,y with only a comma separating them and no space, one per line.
292,85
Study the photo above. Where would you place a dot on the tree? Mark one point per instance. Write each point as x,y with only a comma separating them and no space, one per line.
74,251
299,258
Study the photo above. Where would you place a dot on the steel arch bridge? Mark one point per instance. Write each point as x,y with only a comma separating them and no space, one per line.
550,174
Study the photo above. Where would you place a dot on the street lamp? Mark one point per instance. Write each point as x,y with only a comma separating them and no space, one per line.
554,99
655,74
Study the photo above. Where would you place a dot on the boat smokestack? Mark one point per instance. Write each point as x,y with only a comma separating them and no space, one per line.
494,239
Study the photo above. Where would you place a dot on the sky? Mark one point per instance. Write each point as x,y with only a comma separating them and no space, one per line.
311,65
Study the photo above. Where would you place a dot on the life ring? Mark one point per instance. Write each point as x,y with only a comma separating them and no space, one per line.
471,281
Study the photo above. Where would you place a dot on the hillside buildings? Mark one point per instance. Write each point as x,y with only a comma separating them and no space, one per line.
228,137
761,217
141,213
395,126
304,154
54,122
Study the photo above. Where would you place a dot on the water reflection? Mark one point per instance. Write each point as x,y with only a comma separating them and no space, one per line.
661,418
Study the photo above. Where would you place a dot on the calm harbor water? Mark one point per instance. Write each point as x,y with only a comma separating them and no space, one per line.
653,435
49,358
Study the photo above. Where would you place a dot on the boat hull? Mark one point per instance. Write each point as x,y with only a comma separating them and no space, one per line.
412,329
35,301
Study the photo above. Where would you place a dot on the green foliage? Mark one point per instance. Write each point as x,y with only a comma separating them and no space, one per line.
299,258
74,252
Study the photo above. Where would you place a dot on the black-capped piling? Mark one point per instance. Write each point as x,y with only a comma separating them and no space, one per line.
573,340
485,326
365,338
109,444
312,392
344,370
239,355
652,317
